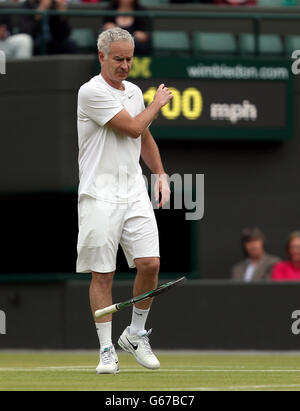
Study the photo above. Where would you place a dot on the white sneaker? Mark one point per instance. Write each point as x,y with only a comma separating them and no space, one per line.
109,363
139,346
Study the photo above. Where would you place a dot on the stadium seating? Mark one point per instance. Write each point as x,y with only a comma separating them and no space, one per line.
292,43
267,44
150,3
223,43
278,3
270,3
170,41
85,38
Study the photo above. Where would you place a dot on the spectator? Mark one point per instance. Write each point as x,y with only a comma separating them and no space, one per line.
236,2
289,270
15,46
258,265
57,34
139,27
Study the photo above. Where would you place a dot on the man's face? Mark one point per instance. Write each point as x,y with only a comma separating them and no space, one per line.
254,248
118,63
294,250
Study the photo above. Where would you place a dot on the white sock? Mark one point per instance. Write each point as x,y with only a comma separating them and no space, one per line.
138,320
104,334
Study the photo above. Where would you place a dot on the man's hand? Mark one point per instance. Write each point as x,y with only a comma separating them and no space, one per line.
135,126
162,186
163,95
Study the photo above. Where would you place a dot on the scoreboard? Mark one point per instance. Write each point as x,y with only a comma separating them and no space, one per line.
225,100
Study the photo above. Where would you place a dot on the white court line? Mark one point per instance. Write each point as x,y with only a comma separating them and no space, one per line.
85,368
235,387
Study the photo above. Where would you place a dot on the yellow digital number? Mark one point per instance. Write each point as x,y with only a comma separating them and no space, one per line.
192,103
173,109
189,103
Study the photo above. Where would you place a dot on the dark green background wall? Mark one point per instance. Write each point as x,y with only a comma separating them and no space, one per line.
211,315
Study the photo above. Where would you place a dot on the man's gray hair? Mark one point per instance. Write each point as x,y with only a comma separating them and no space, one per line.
109,36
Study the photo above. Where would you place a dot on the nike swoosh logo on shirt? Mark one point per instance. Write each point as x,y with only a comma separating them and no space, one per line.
130,96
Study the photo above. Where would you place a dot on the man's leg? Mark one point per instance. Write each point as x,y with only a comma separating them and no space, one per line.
140,243
100,294
100,297
146,279
135,338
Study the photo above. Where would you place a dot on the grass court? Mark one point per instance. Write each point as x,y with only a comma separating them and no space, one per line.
51,371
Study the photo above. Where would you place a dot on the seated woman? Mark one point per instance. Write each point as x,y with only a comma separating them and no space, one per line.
138,27
289,270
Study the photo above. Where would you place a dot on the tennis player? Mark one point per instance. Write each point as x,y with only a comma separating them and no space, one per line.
113,205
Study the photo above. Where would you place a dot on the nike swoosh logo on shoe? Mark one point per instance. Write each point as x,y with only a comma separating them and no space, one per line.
135,346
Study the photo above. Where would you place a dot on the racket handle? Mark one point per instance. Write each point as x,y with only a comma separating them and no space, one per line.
107,310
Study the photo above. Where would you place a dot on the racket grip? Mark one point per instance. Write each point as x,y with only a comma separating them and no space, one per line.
107,310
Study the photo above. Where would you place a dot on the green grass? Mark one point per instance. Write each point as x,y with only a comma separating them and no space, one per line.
76,371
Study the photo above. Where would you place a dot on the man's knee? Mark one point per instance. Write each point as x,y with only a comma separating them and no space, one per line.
103,280
148,265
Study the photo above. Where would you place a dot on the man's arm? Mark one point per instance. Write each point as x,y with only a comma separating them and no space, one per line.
151,156
135,126
150,153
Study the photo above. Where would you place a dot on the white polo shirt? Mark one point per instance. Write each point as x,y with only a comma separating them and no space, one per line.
109,166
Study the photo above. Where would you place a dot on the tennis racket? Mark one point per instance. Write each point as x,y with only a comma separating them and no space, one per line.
119,306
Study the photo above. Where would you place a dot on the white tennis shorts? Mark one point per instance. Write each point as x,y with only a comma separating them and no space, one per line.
103,226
